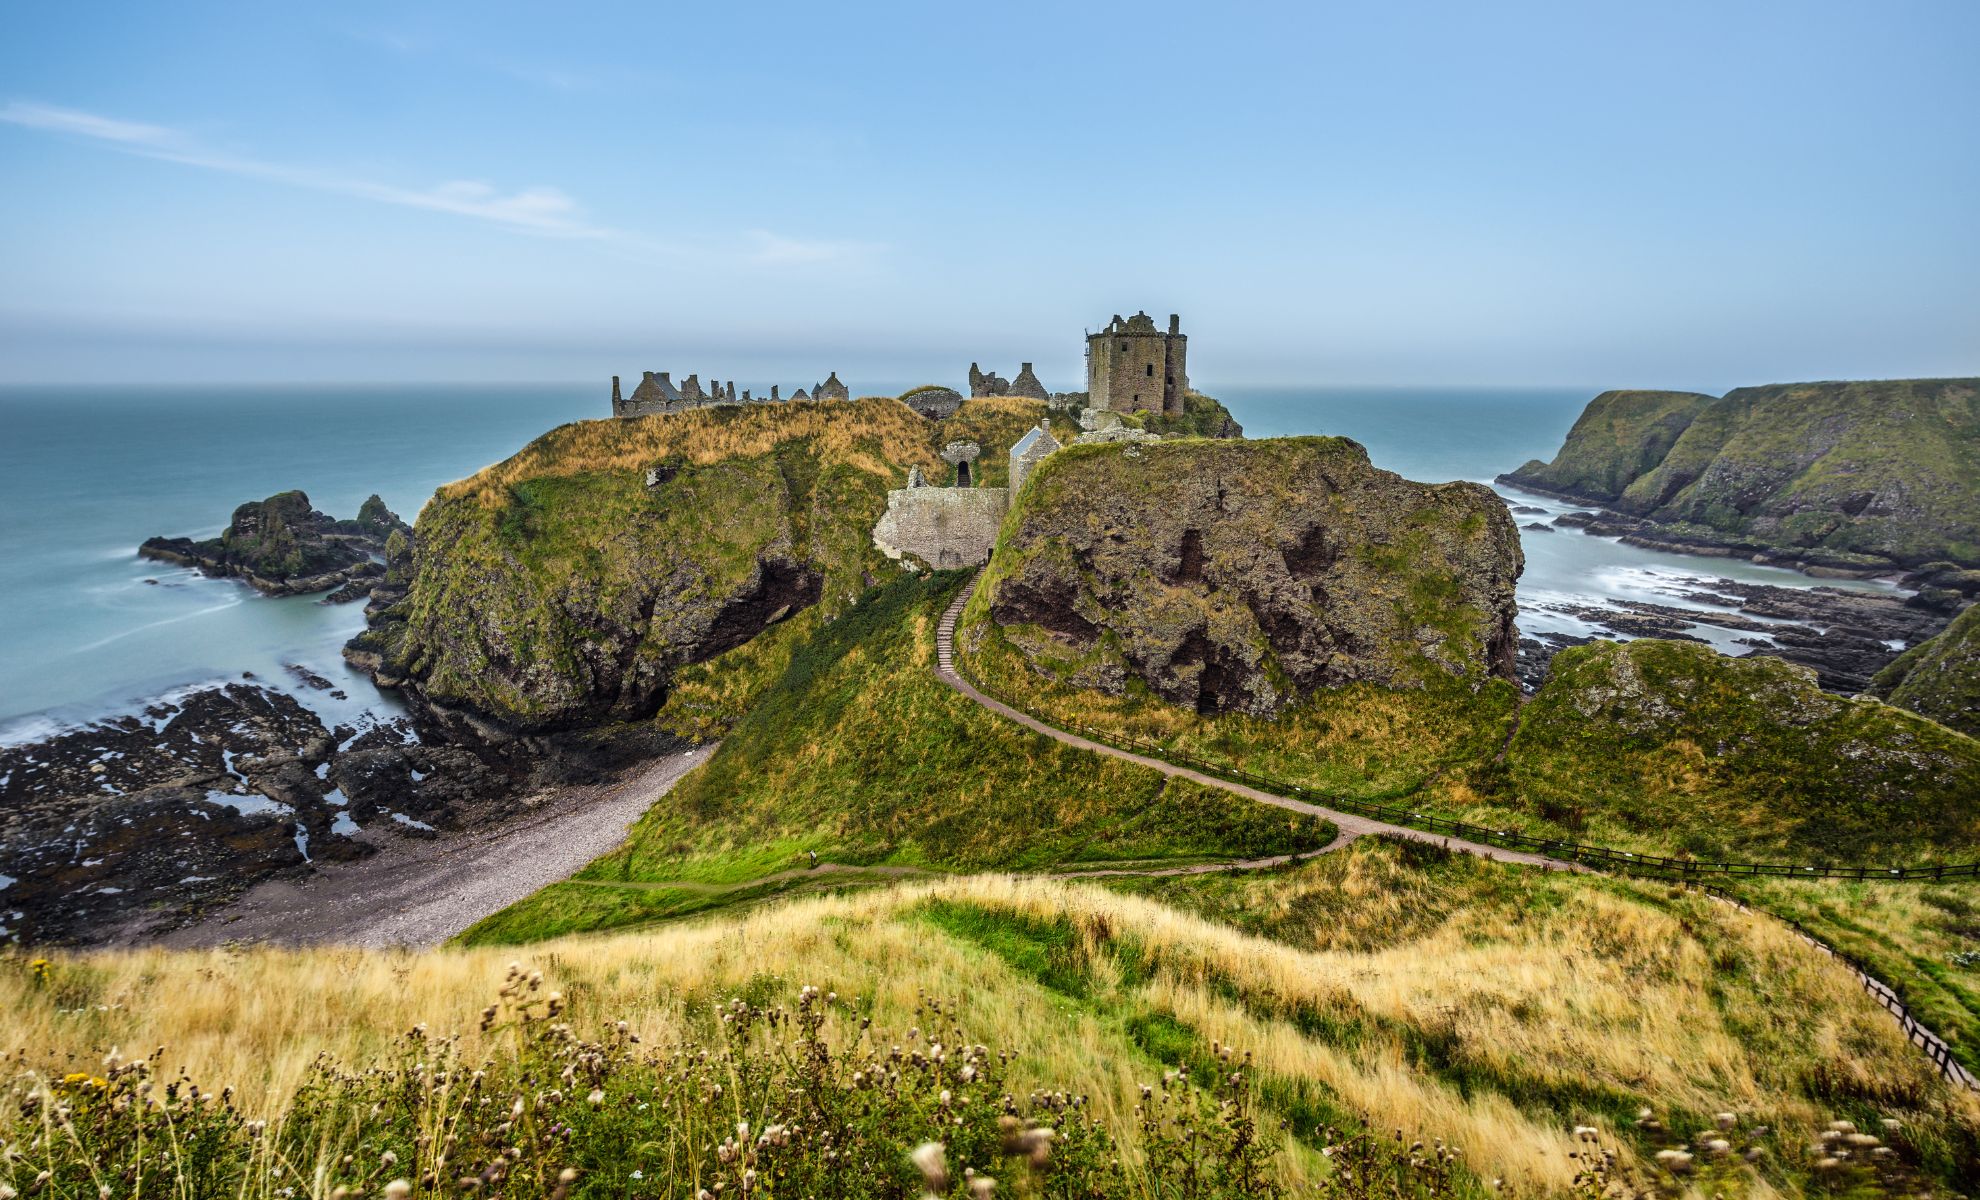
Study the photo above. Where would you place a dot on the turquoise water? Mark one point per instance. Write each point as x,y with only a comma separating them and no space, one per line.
87,473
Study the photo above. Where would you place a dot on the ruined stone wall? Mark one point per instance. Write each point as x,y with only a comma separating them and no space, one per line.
942,526
935,403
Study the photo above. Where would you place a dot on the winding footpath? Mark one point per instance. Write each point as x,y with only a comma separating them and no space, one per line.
1352,826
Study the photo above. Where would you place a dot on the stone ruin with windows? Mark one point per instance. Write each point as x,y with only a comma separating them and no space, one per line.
657,393
1131,366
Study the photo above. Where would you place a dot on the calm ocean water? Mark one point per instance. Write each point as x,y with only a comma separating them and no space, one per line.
86,473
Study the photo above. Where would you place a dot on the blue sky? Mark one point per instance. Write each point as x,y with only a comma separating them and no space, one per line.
1674,194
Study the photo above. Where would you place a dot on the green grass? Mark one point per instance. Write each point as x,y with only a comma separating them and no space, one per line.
859,754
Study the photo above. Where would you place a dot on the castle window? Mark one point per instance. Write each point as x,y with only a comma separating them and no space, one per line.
1123,346
1149,370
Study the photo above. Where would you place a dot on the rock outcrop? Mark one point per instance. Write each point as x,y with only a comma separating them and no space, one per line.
1858,478
284,547
1241,576
1939,678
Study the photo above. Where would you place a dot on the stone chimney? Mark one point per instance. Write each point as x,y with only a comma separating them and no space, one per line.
616,401
1175,324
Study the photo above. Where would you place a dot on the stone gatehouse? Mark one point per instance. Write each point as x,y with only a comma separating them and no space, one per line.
1131,366
956,526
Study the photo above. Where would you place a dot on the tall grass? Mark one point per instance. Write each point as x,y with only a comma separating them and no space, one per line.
1498,1031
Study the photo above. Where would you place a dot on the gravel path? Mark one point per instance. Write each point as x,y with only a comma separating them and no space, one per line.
420,893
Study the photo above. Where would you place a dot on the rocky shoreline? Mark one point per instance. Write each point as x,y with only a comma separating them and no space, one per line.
133,826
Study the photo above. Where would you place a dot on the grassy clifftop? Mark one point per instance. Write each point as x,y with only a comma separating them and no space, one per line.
1846,473
570,582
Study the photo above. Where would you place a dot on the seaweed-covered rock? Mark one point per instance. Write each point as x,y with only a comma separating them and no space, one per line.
1847,477
1240,576
1940,677
282,546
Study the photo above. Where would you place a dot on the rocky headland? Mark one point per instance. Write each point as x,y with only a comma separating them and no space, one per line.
283,547
1242,576
1861,478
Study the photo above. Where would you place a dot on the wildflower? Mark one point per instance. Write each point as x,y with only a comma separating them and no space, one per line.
1726,1120
1892,1124
638,1174
1677,1162
1827,1164
931,1159
982,1187
388,1159
398,1189
1843,1126
1718,1146
1586,1133
596,1097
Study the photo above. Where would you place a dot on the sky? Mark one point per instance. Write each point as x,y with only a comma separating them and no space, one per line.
1694,195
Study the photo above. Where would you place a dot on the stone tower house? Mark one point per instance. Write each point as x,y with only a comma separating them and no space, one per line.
1131,366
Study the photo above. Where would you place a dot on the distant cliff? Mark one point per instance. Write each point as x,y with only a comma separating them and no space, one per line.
1859,477
1243,575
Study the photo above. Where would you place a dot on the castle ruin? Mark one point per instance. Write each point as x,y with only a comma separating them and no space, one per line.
1131,366
658,394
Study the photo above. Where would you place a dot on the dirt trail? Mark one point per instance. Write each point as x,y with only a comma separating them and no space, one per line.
420,893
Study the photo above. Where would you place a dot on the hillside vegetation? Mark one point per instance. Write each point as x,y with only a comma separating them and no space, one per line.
1939,677
1519,1007
568,584
1863,475
859,755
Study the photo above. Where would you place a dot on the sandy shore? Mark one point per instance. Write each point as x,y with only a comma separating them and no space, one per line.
420,893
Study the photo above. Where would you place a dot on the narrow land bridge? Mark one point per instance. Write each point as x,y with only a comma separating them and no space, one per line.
1351,826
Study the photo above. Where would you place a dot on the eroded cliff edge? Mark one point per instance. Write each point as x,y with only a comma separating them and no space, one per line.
1242,576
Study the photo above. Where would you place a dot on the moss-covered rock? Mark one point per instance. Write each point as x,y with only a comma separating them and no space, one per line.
568,583
1241,576
1674,744
1855,476
282,546
1939,677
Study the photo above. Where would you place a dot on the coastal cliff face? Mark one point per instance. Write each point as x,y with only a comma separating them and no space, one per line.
1858,477
1939,678
566,585
1241,576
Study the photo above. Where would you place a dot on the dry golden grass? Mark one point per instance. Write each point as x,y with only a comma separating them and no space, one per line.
876,434
1603,991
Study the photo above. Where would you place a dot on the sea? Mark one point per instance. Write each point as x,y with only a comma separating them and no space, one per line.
89,630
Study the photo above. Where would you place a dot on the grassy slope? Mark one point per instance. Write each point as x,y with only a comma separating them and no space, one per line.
1512,1007
1618,437
859,754
1671,747
1939,677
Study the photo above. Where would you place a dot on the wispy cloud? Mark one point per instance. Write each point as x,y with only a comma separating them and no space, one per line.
540,210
